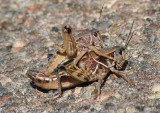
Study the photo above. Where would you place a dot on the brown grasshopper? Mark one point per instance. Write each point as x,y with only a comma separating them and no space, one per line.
83,44
94,64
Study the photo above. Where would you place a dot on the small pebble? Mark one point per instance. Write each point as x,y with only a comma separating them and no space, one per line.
107,105
105,96
19,43
156,87
158,106
130,109
55,29
147,31
140,59
13,6
5,79
67,93
120,111
0,110
77,90
103,25
35,102
4,98
140,108
3,90
49,44
16,49
98,108
117,95
45,112
153,38
88,91
145,64
135,54
147,110
154,96
109,81
155,91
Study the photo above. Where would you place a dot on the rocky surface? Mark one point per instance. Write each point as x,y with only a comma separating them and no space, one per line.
29,28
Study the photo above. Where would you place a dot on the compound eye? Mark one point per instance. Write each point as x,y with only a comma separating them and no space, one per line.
95,34
120,52
117,52
67,28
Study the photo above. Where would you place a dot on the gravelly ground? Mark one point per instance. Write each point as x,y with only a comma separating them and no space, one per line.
29,28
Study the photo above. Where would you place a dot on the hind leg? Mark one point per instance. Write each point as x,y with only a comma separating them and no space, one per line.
59,89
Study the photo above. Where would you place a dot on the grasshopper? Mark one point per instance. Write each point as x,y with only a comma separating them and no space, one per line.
75,47
94,65
83,44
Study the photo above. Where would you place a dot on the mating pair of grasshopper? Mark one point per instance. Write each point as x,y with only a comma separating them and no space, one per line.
83,59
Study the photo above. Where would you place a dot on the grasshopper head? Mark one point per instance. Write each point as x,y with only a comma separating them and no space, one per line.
67,29
119,55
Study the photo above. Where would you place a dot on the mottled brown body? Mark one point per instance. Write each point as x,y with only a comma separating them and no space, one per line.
89,65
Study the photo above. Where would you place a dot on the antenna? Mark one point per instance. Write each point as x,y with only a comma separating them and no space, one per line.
130,35
101,12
